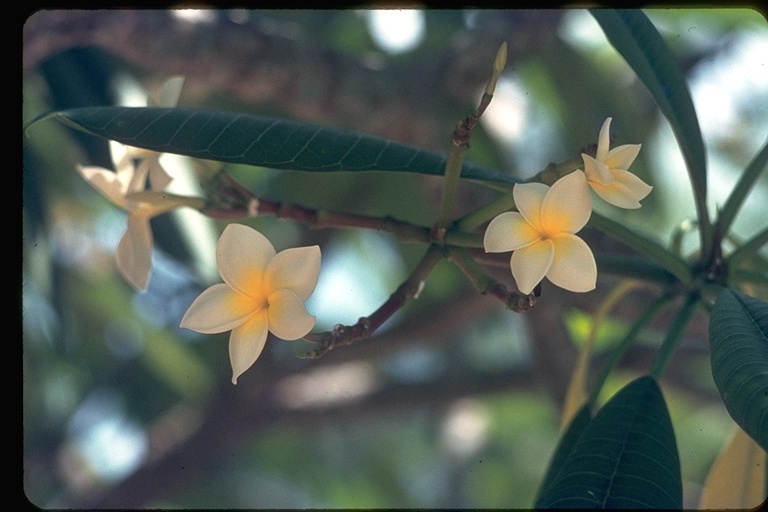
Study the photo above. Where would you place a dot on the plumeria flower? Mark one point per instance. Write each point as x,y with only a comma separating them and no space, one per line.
125,188
126,156
607,172
542,235
263,291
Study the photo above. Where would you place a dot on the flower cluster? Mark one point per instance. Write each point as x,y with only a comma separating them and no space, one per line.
542,233
263,291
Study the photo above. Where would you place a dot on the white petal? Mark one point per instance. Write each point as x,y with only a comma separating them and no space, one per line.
567,206
121,156
246,344
530,264
137,176
170,93
295,269
134,253
218,309
573,267
621,157
507,232
528,200
616,194
242,257
288,318
604,140
158,177
106,182
596,171
636,186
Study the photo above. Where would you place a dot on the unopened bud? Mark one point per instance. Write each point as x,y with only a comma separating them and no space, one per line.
498,66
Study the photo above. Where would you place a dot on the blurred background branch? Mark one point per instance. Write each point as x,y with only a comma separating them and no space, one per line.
273,60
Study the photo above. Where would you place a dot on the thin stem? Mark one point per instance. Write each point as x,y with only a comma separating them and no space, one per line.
460,147
748,276
501,204
632,267
668,346
486,285
576,396
409,289
748,248
741,190
506,201
624,344
451,184
473,240
644,245
232,200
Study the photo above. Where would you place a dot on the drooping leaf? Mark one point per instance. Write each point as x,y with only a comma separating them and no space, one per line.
738,336
636,39
262,141
626,457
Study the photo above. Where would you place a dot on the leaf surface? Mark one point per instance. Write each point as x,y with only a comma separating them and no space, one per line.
262,141
738,336
626,457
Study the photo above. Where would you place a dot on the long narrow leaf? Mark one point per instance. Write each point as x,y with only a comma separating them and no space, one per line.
636,39
738,336
742,188
262,141
667,259
626,457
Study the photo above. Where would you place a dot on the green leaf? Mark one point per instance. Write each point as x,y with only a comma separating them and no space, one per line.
626,457
565,446
742,188
738,335
262,141
636,39
667,259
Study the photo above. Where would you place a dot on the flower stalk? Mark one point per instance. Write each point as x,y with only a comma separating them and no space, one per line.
460,147
409,289
486,285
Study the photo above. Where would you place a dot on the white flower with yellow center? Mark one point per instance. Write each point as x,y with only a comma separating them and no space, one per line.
263,291
129,156
607,172
542,235
125,188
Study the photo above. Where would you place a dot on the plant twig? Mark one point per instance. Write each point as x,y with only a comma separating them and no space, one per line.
486,285
409,289
460,147
232,200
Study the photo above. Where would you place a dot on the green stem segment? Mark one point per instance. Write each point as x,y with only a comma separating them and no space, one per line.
644,245
624,344
668,346
460,146
451,183
506,201
748,248
487,285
